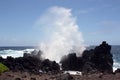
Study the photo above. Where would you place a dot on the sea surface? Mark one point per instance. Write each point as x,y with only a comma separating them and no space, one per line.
18,51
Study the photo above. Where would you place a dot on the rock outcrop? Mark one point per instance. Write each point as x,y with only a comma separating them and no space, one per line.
92,61
30,64
102,58
117,71
71,62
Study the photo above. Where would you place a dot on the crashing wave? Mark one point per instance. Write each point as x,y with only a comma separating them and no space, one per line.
14,53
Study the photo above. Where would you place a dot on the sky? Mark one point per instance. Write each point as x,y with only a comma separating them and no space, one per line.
98,20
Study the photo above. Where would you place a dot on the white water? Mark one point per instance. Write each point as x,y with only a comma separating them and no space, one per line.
19,53
14,53
62,33
73,72
116,65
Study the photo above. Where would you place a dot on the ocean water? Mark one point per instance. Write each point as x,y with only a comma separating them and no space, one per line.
116,56
19,51
15,51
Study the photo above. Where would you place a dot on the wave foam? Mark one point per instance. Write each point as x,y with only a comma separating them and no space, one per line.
14,53
116,65
62,33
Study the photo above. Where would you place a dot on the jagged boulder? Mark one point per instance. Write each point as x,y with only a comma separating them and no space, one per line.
31,64
117,71
71,62
92,61
36,53
103,58
50,66
98,59
65,77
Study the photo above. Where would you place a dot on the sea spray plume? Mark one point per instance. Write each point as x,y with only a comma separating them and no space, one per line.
61,33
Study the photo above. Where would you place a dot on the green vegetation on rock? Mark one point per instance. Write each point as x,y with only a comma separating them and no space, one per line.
3,68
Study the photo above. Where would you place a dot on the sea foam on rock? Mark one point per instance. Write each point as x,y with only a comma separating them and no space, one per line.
31,62
92,61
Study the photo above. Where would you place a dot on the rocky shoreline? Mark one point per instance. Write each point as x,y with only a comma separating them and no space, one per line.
94,64
10,75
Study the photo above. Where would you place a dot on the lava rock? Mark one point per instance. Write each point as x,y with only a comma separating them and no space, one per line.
17,78
92,61
65,77
102,58
117,71
71,62
50,66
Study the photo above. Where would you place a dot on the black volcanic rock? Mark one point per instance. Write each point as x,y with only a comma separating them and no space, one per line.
103,58
65,77
1,59
35,53
30,64
50,66
92,61
117,71
71,62
99,59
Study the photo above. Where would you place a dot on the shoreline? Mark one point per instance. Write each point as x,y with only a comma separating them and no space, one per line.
94,64
10,75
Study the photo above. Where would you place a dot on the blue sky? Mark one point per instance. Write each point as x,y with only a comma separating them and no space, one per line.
98,20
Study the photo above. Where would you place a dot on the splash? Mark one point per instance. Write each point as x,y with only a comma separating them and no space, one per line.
61,33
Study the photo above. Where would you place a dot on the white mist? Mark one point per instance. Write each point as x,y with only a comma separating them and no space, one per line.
61,33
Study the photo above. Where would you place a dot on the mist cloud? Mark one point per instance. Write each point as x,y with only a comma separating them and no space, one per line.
61,33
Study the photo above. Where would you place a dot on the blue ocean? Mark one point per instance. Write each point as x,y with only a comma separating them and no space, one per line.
19,51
